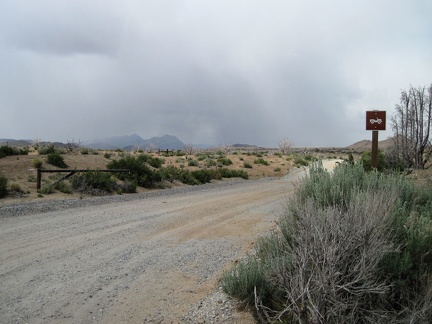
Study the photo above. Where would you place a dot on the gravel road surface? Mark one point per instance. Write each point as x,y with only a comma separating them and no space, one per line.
145,258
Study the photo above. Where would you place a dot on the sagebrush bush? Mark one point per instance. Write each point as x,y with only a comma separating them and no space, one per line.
140,172
63,187
224,161
261,161
47,188
366,158
93,182
299,161
352,246
150,160
226,173
193,163
171,174
210,163
3,186
57,160
247,165
126,187
37,163
15,187
206,175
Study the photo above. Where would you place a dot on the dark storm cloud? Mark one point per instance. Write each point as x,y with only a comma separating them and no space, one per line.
216,72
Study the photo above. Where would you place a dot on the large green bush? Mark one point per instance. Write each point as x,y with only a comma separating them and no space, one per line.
172,173
57,160
93,182
140,172
150,160
366,158
7,150
352,246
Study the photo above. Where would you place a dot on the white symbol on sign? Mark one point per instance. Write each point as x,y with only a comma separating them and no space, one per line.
377,120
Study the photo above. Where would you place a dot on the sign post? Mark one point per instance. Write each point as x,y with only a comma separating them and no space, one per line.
375,121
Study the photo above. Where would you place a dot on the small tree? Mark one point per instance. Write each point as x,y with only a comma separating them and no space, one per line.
72,146
226,148
285,145
189,149
411,124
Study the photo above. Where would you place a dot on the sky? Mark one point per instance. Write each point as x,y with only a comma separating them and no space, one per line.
215,72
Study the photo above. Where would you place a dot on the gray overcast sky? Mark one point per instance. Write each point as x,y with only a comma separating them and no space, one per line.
208,71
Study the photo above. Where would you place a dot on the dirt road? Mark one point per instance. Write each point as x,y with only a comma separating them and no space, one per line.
145,260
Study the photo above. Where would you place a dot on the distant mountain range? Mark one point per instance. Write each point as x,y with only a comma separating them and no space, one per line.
165,142
134,141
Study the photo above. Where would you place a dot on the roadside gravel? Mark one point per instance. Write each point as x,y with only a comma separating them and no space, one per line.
144,258
20,209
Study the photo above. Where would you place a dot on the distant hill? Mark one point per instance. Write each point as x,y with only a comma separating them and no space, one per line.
134,141
365,145
16,143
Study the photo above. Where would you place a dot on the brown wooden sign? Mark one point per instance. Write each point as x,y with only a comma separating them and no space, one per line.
375,120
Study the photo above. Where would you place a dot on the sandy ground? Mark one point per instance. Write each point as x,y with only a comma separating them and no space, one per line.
133,262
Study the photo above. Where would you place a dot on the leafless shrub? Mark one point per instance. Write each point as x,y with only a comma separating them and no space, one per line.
226,148
71,146
189,149
285,145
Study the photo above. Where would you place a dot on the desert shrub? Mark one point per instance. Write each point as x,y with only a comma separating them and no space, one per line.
299,161
246,279
193,163
226,173
44,150
140,172
352,247
93,182
277,169
247,165
224,161
204,176
366,158
261,161
84,151
15,187
171,174
309,157
37,163
46,189
150,160
107,155
210,163
3,186
126,187
201,157
57,160
7,150
394,160
63,187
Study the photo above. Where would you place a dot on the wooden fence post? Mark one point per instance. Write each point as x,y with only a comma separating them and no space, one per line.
39,179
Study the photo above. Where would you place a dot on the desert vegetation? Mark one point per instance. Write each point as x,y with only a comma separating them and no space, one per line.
353,247
148,171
